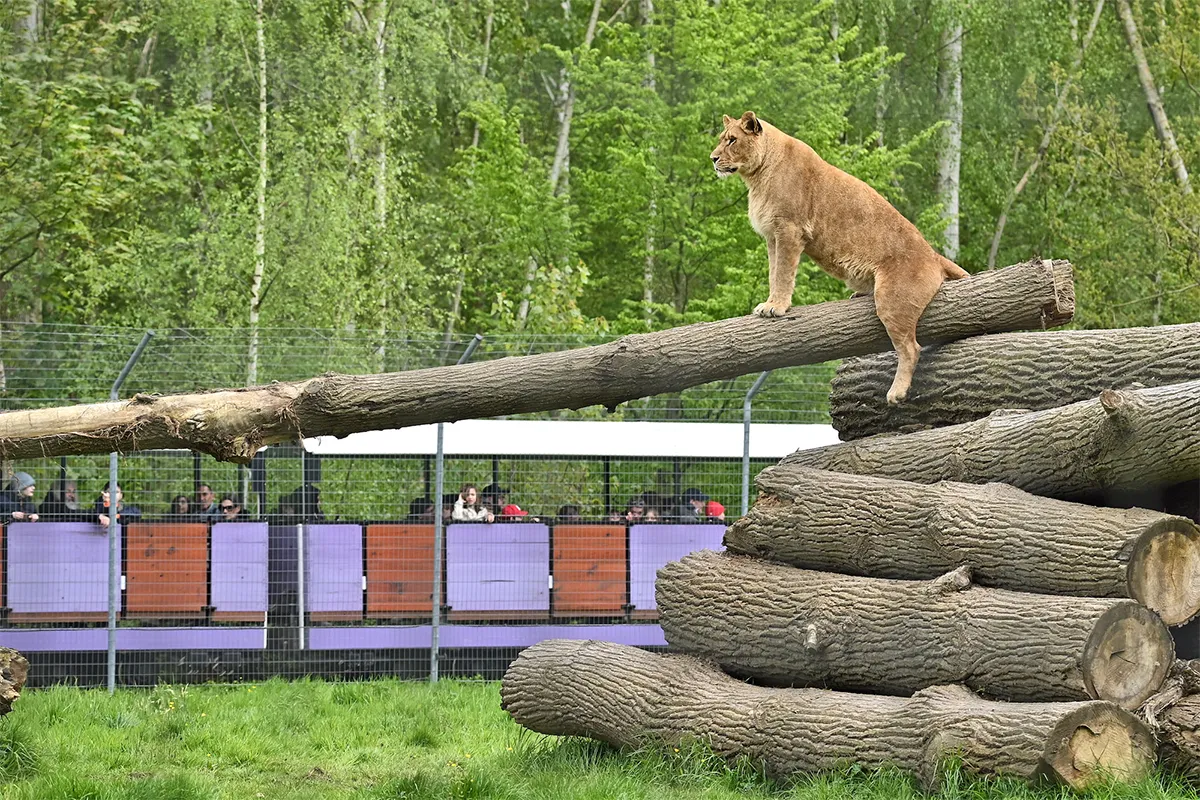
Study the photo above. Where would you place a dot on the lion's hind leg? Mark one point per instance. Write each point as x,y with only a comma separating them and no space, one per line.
901,295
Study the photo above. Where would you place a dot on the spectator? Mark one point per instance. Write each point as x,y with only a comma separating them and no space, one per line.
62,500
230,509
513,513
692,507
206,503
651,515
124,513
714,510
568,515
302,504
636,509
420,510
659,502
468,508
493,497
181,506
16,504
448,501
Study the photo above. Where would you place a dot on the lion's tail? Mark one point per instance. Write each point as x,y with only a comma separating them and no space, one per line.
952,271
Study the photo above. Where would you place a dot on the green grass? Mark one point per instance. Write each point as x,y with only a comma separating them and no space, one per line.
385,740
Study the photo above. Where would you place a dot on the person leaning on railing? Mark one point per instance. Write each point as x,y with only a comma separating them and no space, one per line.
124,513
469,508
16,503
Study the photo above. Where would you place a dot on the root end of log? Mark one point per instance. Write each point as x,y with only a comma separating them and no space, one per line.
1164,570
1127,656
1098,743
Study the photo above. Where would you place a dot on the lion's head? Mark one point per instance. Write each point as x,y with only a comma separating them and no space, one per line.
740,147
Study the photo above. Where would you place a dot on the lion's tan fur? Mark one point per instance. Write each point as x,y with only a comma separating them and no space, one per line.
799,203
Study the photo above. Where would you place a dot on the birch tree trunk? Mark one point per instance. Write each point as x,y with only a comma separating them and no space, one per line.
29,24
1153,101
381,196
560,166
950,155
260,246
881,21
628,697
647,9
1047,135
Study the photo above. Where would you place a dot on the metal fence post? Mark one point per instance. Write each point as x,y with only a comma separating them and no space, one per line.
758,384
114,550
438,533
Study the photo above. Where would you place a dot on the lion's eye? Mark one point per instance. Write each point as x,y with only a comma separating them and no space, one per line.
732,140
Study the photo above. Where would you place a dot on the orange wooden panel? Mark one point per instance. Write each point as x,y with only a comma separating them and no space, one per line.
589,570
399,570
166,568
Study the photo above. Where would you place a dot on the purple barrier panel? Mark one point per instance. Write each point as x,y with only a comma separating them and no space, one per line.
239,567
333,569
57,567
387,637
282,559
41,640
652,546
498,567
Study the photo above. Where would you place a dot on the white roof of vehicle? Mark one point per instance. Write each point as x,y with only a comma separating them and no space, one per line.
572,438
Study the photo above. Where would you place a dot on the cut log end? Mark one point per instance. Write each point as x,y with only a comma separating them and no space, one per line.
1164,570
1127,656
1098,743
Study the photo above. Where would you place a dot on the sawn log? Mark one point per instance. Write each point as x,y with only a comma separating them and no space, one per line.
963,381
785,626
232,425
1124,440
628,697
1010,539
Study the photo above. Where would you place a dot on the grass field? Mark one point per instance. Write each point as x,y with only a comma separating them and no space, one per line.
381,740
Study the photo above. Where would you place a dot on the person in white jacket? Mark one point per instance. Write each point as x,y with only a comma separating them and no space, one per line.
467,507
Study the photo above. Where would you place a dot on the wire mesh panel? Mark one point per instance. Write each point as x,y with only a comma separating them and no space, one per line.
315,560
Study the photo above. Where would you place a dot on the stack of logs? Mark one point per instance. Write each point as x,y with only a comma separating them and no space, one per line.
986,572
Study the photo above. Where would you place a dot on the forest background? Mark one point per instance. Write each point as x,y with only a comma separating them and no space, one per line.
443,166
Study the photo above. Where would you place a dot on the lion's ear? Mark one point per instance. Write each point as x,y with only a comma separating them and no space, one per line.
726,119
750,123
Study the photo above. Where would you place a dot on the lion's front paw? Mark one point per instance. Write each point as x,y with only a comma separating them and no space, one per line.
896,396
769,309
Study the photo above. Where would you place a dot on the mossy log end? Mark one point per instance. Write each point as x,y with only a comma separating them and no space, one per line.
232,425
1124,440
629,697
1010,539
784,626
966,380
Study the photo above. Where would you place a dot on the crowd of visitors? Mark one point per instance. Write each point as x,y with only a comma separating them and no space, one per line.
491,504
468,504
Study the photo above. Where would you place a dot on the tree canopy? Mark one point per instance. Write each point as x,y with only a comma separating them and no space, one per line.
500,165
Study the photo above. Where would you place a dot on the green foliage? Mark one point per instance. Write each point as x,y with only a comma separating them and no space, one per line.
129,164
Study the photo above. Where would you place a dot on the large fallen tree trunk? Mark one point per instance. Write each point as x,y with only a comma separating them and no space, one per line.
1126,439
232,425
1010,539
786,626
628,697
963,381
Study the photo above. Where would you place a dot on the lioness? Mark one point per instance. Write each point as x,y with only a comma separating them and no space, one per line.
799,203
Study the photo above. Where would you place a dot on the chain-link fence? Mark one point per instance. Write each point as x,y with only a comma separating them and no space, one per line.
319,557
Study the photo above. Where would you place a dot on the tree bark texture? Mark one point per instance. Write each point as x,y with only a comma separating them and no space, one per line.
629,697
784,626
14,671
963,381
232,425
1126,439
1009,539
